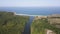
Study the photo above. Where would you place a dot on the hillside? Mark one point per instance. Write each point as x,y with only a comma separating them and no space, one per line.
42,26
11,23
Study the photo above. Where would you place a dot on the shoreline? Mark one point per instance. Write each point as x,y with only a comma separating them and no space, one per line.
29,15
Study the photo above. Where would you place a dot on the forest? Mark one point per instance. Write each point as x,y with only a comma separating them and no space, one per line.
40,25
11,23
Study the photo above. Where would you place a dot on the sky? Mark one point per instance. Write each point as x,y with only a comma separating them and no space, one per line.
29,3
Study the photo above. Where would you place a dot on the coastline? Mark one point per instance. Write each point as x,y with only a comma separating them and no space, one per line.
29,15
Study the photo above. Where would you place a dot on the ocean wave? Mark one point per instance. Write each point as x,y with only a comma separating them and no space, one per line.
29,15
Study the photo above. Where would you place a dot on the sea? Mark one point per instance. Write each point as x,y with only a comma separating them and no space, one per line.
32,10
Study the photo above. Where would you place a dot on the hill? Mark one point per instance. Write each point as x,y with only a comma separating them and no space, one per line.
10,23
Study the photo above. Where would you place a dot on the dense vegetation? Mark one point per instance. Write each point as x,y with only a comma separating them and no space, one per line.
39,26
11,23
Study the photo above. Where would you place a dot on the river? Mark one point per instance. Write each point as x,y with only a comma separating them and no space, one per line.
28,25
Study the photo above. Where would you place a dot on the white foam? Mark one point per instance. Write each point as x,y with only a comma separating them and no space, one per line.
29,15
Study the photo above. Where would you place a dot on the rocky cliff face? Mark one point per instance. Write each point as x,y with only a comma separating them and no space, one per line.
54,19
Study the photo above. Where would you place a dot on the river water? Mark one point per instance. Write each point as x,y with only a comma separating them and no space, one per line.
28,26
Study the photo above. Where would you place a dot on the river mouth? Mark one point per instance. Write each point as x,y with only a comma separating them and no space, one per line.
27,26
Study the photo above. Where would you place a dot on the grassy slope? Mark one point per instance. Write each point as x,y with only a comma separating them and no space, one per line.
39,26
12,24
